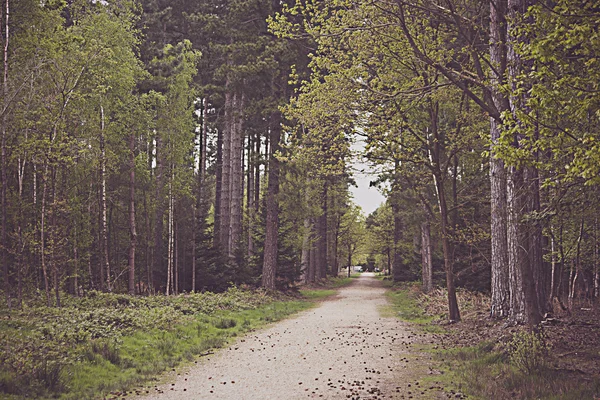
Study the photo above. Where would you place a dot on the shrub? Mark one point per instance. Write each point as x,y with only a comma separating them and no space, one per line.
225,323
528,351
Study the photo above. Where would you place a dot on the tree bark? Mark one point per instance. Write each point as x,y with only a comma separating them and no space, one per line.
104,226
169,288
158,251
397,264
237,176
524,303
43,232
272,203
250,197
306,243
225,187
499,268
132,227
3,166
321,266
426,256
438,177
596,261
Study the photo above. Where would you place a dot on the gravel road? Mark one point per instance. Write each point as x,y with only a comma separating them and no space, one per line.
342,349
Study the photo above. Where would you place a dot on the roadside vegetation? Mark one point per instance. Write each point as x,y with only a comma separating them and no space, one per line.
481,358
105,344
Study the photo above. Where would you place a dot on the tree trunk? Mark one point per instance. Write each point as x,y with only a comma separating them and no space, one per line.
104,225
397,264
500,289
306,243
4,165
321,267
453,311
272,203
426,256
538,266
524,303
596,261
524,308
250,197
312,268
218,189
132,230
436,150
159,210
169,288
225,192
237,177
43,233
576,266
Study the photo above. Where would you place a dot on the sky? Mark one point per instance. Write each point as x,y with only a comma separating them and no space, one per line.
368,198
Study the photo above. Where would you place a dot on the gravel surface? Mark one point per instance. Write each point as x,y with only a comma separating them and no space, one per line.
343,349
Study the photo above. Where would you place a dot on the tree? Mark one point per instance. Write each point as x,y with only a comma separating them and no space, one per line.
352,233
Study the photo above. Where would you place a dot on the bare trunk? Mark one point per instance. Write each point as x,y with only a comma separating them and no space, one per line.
149,259
90,269
175,255
3,165
576,266
225,189
54,241
169,288
257,175
158,250
426,257
218,189
269,269
539,272
312,267
397,264
306,243
104,226
596,261
453,311
524,303
554,264
250,196
132,227
500,289
76,266
237,177
321,267
43,233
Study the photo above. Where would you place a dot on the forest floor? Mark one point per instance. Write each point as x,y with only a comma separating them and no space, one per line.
350,346
491,359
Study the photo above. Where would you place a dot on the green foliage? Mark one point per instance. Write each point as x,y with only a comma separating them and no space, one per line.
528,351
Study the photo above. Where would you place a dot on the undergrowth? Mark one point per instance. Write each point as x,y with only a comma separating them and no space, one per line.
111,342
520,367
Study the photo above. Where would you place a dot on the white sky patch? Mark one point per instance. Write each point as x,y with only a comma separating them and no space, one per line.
366,196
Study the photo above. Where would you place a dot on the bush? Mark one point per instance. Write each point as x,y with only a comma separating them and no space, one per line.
528,351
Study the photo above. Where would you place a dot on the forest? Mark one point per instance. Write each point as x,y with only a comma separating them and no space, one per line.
166,147
165,159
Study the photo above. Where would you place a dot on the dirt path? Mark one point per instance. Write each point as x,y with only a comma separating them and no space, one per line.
343,349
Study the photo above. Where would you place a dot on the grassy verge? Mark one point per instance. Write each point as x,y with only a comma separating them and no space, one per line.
108,343
519,366
488,373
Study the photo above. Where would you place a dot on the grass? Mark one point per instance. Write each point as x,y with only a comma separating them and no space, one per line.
487,373
404,305
145,355
487,370
111,343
